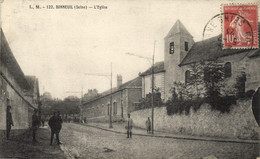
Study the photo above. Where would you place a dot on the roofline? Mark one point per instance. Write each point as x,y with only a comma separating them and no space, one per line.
19,94
151,73
10,54
239,52
110,94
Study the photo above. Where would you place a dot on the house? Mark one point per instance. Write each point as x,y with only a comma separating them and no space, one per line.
17,90
124,99
180,51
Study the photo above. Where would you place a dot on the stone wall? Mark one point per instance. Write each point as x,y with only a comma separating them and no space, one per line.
238,123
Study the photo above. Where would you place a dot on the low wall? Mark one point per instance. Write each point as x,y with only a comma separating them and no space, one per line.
238,123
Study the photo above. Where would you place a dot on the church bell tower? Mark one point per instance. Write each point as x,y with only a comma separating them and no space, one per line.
177,43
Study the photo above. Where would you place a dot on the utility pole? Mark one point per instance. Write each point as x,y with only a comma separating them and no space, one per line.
152,80
153,90
110,114
110,107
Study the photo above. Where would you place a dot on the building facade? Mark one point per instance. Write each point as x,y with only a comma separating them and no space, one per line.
17,90
124,99
180,51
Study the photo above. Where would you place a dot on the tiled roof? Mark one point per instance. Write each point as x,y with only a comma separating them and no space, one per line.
32,81
135,83
9,60
211,49
178,27
158,67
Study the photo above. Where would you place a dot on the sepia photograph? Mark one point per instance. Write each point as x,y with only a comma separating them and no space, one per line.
129,79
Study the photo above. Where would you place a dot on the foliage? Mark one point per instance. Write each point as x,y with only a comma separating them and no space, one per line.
221,104
240,85
70,105
209,76
196,79
181,91
146,102
179,106
249,94
92,93
213,79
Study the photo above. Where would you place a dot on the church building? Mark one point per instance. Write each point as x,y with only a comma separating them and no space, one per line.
180,51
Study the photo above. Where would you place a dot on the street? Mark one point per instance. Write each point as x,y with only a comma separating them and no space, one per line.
80,141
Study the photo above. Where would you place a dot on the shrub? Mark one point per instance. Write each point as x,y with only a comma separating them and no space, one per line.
146,102
249,94
178,106
222,104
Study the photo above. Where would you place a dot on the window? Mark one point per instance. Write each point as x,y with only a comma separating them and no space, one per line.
227,69
115,108
186,46
187,76
171,47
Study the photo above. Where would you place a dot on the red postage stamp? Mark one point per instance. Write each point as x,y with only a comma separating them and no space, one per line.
240,26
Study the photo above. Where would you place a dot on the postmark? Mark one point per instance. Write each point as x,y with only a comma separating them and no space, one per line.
240,26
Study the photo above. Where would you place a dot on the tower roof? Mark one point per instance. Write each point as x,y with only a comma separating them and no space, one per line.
178,27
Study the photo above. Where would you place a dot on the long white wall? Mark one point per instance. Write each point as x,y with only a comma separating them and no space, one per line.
239,123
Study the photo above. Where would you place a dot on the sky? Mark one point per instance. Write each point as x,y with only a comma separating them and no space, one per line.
61,46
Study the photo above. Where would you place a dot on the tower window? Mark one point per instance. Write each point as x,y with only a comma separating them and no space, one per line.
227,69
186,46
171,47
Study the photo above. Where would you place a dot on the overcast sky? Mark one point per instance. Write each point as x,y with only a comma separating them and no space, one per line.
59,46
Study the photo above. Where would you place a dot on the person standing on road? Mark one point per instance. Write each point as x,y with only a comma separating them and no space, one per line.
148,125
55,125
129,126
35,124
9,122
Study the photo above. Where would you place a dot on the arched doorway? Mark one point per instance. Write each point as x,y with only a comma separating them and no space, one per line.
256,106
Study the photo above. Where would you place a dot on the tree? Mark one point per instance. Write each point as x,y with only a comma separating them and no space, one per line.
213,79
46,96
146,102
196,78
92,93
206,81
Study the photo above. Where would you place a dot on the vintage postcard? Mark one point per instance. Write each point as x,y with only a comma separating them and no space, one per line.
130,79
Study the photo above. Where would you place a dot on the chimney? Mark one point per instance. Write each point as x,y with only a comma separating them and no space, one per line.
119,81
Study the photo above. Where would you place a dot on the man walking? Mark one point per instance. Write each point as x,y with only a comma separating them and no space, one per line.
55,125
9,122
35,124
129,126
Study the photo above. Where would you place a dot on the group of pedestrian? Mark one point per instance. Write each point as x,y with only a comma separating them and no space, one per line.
129,126
55,124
